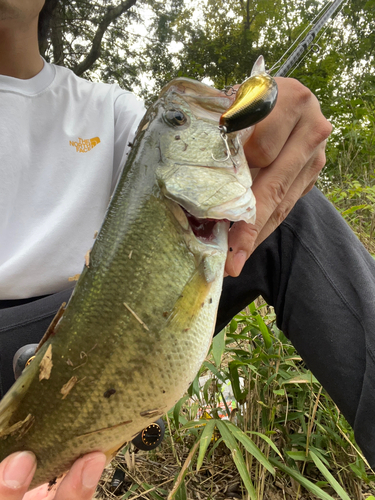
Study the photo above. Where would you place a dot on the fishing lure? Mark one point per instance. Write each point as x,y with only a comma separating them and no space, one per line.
255,99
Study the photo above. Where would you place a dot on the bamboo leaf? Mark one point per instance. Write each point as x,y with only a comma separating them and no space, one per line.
235,380
319,454
205,440
332,481
194,387
206,388
195,423
214,448
298,456
130,491
149,489
233,326
230,442
264,331
226,405
218,347
268,441
250,446
177,409
303,378
237,336
214,370
301,480
178,491
181,492
354,209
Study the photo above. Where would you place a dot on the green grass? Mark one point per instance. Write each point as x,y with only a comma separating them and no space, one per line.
283,424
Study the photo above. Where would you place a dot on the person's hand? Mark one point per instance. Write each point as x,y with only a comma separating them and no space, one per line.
289,149
17,470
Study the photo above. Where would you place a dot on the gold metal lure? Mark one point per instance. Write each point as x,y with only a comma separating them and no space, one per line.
255,99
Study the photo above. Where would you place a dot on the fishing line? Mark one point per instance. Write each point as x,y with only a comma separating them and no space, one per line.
307,41
300,36
311,49
316,44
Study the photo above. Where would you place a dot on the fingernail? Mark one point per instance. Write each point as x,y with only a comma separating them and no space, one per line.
239,261
19,469
92,470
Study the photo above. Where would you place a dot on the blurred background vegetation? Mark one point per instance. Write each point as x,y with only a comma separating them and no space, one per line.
283,438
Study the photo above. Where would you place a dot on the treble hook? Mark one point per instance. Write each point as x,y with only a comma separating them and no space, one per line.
223,135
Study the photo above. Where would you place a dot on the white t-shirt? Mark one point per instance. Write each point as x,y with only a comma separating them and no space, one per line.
63,143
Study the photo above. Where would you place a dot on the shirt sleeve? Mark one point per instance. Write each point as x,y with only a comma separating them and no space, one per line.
128,112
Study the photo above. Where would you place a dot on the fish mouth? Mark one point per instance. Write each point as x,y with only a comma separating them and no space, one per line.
205,230
210,232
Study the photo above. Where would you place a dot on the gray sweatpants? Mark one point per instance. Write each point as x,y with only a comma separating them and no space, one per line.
321,282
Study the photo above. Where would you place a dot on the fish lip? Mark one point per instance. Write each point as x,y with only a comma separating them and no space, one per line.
238,204
238,209
241,208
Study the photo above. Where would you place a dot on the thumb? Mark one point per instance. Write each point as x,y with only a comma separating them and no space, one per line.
16,473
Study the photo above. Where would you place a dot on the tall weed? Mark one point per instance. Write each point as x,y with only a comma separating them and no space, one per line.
281,422
349,178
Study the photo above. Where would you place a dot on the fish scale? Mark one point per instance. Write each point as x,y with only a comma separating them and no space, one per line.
140,320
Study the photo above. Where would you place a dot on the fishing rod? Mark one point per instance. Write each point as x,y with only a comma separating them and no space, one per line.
307,41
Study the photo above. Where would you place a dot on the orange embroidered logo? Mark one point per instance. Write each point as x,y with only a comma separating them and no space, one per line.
84,145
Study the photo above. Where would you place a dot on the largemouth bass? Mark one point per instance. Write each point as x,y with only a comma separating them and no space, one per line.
141,318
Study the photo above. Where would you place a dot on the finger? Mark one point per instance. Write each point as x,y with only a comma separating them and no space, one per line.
43,492
319,161
272,184
295,104
81,481
16,473
290,140
244,238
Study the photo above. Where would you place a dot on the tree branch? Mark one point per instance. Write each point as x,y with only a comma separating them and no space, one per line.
94,54
57,37
247,21
44,21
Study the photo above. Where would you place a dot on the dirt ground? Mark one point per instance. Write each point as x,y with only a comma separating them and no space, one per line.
150,475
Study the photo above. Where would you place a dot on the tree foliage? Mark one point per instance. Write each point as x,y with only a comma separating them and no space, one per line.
93,39
143,44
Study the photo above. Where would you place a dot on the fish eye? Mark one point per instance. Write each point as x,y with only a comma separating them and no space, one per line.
175,117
